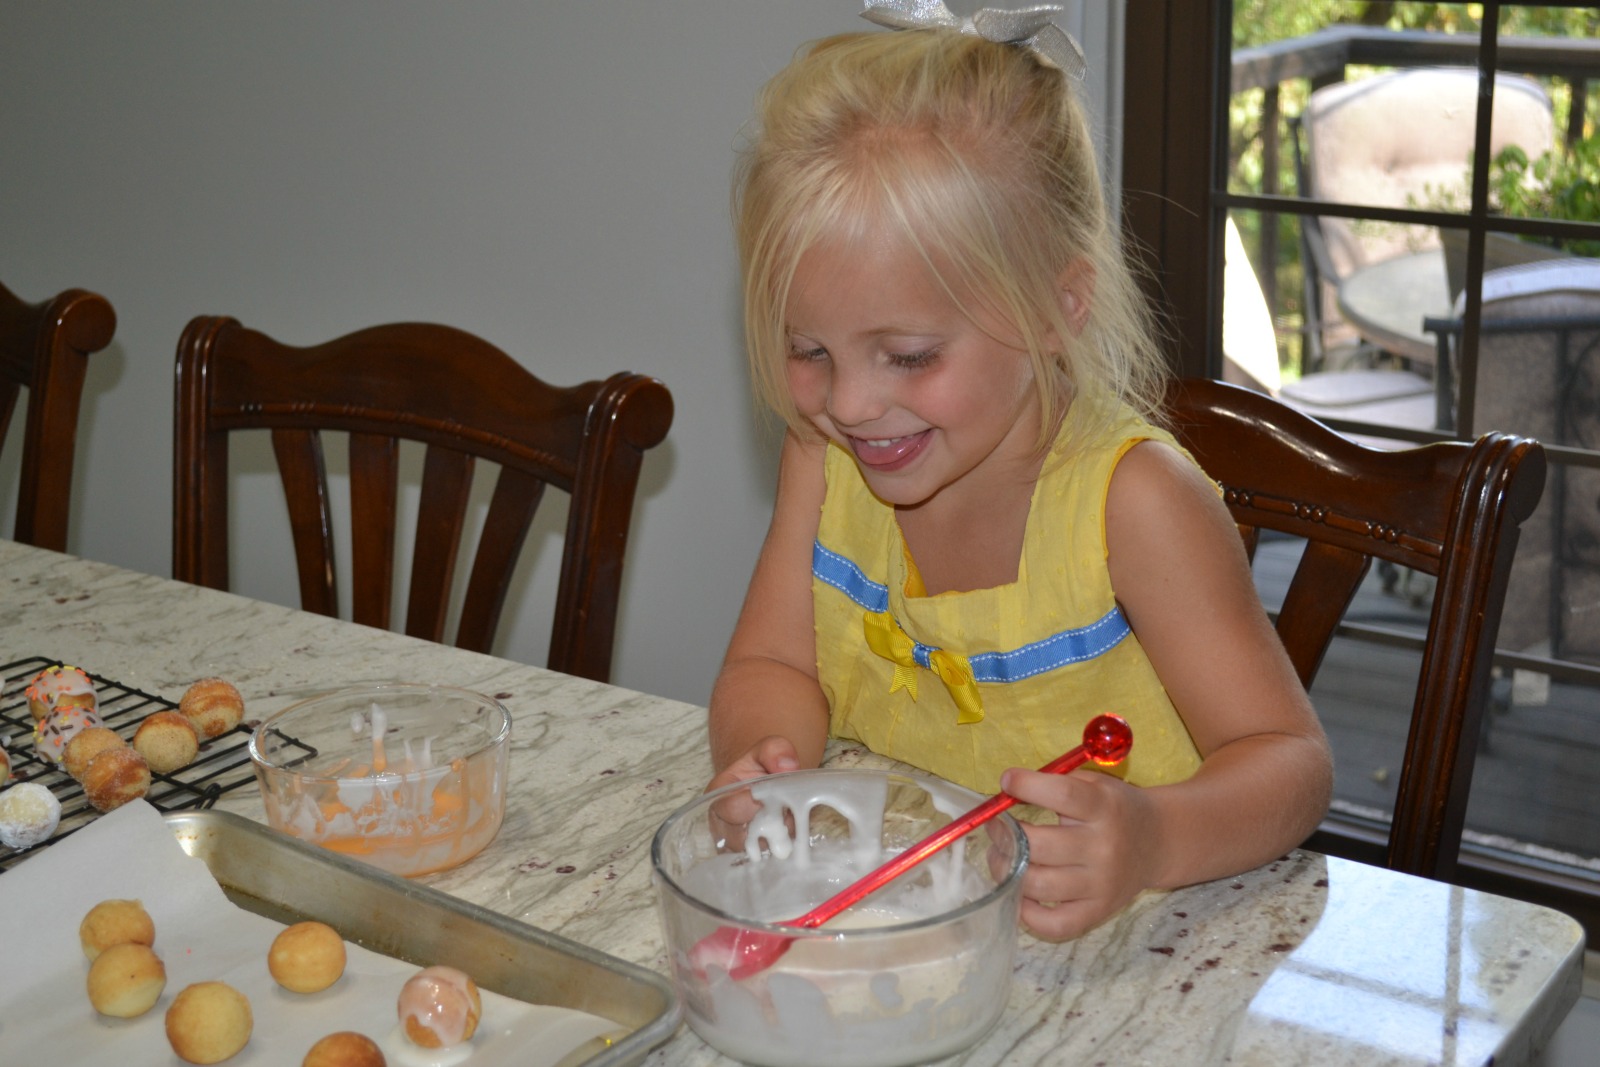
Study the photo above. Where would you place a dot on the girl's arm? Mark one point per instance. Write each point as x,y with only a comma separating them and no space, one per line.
767,710
1180,573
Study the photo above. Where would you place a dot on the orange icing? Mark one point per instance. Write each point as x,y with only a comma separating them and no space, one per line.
54,683
404,817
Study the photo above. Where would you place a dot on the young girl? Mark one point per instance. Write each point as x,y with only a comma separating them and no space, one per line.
981,538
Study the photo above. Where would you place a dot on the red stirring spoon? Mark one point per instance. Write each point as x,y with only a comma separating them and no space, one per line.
742,953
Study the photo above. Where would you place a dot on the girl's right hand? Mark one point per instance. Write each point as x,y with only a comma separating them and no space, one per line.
731,814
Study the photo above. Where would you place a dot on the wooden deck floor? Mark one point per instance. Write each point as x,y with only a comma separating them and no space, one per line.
1536,787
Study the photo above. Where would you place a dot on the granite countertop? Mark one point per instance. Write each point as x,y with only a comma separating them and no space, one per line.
1305,960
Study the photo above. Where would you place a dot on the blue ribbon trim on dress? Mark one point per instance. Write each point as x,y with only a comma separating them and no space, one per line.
1059,650
830,568
1068,646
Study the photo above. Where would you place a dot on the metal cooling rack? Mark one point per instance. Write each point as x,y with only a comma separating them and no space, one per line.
223,763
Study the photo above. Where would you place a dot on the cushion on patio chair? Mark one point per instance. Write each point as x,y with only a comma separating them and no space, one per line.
1399,139
1347,388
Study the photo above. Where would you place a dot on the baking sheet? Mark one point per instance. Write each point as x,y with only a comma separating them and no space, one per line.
204,934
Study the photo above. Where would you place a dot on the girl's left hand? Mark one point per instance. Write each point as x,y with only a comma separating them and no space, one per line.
1090,865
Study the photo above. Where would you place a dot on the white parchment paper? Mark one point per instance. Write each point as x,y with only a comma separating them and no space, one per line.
46,1017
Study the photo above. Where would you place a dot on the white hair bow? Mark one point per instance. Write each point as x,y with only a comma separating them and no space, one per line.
1031,27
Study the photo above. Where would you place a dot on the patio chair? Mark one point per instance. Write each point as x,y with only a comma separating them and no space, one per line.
45,348
464,399
1538,372
1452,510
1395,140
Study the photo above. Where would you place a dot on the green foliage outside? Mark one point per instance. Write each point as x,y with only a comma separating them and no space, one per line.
1558,185
1565,185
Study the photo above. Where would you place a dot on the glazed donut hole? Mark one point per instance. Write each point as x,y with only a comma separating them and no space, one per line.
60,685
439,1007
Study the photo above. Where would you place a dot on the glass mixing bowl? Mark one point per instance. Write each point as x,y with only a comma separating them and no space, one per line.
918,971
410,778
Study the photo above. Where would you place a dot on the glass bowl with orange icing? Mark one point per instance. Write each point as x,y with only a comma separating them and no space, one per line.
410,778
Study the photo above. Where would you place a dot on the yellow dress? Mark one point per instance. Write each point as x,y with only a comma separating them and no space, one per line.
966,684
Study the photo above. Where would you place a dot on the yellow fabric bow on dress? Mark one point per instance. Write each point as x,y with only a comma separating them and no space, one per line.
887,639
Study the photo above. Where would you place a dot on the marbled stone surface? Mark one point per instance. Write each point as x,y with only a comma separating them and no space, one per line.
1305,960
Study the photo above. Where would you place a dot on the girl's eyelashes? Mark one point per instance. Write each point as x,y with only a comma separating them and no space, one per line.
914,360
806,353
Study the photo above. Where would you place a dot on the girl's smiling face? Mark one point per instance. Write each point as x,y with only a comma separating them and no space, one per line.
886,364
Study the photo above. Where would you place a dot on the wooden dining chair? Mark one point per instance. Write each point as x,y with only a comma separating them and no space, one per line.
45,348
464,399
1450,509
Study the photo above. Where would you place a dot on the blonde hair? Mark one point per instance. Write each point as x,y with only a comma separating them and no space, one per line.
981,156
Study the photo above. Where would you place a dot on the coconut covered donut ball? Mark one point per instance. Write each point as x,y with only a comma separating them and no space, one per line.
29,814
